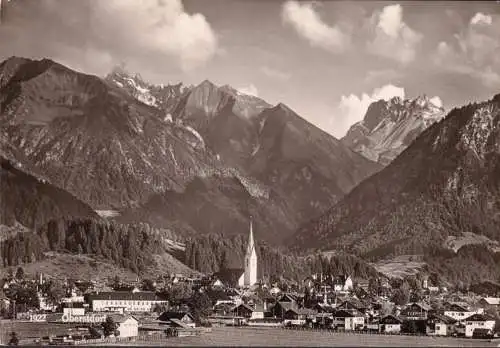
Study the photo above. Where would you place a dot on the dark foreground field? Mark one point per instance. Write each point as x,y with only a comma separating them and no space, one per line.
232,336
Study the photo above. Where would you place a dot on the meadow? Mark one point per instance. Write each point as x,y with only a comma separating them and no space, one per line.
245,336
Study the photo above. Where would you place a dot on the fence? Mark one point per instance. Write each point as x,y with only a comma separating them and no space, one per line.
351,332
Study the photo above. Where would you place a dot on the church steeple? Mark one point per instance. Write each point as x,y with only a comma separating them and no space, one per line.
249,277
251,243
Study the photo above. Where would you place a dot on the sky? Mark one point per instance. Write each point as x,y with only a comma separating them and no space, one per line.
326,60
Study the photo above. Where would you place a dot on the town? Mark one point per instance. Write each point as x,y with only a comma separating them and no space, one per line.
44,310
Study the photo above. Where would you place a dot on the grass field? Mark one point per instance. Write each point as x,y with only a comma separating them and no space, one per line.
232,336
28,331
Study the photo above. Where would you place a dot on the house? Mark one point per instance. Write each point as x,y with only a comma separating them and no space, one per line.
478,321
242,310
490,302
416,311
324,308
280,308
123,301
390,324
342,283
352,305
298,316
177,319
128,326
350,320
260,311
440,325
459,311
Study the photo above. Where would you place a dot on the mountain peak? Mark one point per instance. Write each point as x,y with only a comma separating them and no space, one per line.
390,126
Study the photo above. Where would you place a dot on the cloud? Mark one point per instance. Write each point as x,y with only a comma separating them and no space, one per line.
393,39
144,32
481,18
352,108
275,73
250,90
308,24
474,51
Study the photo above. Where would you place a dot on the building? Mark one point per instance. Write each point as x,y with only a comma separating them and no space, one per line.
390,324
177,319
242,310
460,311
416,311
128,326
124,301
490,302
249,276
349,320
478,321
298,316
440,325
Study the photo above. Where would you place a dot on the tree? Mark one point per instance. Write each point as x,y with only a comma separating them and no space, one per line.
200,305
148,285
178,292
20,273
55,292
117,283
401,296
109,326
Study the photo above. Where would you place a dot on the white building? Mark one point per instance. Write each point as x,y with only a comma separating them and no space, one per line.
478,321
249,277
124,301
128,326
460,311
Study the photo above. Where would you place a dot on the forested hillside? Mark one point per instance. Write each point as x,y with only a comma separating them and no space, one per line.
211,253
131,246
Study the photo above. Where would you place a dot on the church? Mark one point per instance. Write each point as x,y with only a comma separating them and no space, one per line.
249,276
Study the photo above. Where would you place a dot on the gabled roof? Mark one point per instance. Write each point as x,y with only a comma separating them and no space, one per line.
495,301
287,298
242,305
480,317
304,311
342,313
169,315
456,306
390,319
121,318
422,305
287,305
442,318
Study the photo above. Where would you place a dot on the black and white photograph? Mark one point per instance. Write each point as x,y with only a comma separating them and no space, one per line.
250,173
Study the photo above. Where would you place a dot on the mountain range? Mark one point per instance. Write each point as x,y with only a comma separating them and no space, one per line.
123,144
204,159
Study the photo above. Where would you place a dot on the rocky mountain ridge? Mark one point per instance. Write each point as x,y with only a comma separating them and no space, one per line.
391,126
